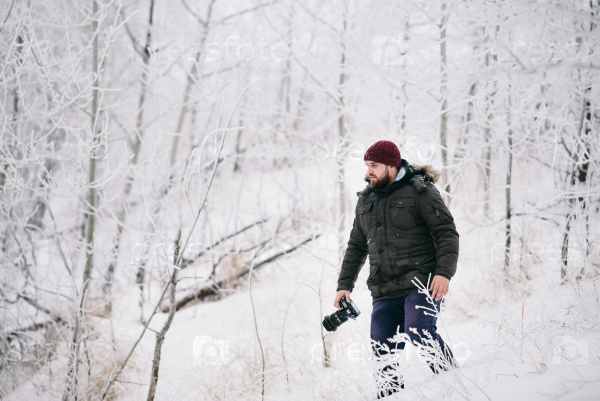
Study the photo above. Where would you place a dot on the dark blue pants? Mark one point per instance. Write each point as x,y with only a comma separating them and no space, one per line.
401,314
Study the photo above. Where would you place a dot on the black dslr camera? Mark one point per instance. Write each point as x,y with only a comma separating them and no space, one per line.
335,320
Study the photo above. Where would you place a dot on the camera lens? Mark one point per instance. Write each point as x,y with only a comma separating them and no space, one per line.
335,320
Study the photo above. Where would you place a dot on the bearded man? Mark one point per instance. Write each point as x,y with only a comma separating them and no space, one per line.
403,225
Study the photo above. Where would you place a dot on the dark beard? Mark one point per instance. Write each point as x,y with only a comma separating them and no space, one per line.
380,184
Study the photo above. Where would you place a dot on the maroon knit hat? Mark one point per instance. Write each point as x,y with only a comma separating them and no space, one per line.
385,152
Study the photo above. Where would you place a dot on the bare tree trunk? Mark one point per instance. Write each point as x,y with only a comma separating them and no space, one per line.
580,167
564,251
238,145
92,198
160,337
487,135
507,241
71,384
469,113
282,121
578,175
14,125
401,97
340,160
300,104
444,99
188,86
263,378
39,209
146,57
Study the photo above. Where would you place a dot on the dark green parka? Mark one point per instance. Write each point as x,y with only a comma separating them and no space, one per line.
407,231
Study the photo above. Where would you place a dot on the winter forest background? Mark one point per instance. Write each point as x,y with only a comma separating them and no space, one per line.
178,184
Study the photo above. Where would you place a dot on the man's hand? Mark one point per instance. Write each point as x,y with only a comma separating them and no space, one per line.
339,295
439,287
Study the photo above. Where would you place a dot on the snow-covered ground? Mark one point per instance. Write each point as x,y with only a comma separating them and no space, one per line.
528,340
503,95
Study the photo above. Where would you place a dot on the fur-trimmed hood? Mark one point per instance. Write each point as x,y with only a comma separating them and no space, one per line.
432,175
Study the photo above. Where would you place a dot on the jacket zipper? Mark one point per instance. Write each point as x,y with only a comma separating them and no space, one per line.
385,231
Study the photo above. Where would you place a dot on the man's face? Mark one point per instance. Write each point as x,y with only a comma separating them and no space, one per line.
378,174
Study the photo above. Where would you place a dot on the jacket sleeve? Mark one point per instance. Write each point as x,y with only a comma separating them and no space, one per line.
354,258
441,224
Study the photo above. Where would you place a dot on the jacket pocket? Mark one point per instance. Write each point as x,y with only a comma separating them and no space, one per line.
442,213
364,209
402,213
364,217
373,280
414,267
